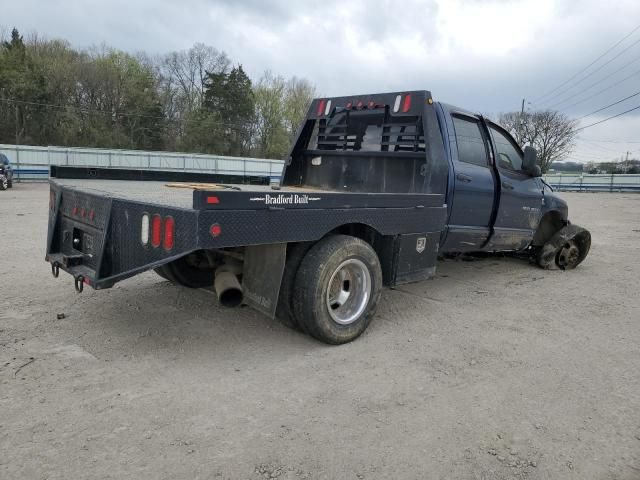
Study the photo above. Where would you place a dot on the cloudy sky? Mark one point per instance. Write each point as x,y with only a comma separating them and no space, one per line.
484,55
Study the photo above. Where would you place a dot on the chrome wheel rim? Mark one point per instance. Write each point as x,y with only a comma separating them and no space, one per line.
348,291
568,255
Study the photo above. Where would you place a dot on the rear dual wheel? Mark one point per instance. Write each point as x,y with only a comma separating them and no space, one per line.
284,312
337,289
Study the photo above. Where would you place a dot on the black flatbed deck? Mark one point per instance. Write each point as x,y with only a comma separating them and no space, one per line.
168,193
198,196
96,228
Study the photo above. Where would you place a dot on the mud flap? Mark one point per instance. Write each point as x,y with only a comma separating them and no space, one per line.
570,237
262,276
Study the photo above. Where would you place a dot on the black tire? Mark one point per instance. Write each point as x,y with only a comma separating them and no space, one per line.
10,183
4,183
165,273
312,295
567,248
284,310
192,271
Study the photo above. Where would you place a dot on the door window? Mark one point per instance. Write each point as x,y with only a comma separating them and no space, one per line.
471,145
508,154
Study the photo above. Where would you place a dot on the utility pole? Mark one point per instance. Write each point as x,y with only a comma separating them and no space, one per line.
521,124
626,162
17,124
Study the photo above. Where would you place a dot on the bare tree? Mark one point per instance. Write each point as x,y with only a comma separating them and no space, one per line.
185,72
269,129
298,97
551,133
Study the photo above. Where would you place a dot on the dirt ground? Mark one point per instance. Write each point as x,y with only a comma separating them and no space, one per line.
494,369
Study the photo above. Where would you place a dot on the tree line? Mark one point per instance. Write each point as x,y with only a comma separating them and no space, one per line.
196,100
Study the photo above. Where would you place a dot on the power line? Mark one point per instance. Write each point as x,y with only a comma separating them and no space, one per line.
583,90
608,118
588,66
610,105
601,148
594,71
590,96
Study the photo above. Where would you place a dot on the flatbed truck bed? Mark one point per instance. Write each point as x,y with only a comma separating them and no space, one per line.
175,194
109,230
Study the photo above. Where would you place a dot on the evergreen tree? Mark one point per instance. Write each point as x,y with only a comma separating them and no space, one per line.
228,98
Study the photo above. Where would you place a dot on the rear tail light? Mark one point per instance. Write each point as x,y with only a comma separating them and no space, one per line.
406,105
156,230
321,108
144,229
169,234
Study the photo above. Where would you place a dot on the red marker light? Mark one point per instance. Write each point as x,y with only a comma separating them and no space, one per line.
349,104
406,105
216,230
156,230
321,108
169,234
213,200
82,212
372,104
74,211
359,104
91,214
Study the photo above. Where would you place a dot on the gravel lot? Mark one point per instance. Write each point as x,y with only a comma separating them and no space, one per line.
493,369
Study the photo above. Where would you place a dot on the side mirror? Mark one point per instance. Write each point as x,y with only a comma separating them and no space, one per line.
530,162
537,171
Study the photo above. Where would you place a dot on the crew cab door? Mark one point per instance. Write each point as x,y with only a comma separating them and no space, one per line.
519,208
474,184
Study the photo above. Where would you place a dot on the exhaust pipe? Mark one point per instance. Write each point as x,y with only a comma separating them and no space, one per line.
227,286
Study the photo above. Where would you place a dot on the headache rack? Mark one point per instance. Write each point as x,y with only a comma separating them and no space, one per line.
370,130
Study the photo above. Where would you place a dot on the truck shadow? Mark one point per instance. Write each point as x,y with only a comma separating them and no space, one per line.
151,315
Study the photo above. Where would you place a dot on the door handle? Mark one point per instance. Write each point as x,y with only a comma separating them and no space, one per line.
463,178
507,185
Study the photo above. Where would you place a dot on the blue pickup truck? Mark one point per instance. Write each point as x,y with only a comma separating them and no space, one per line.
375,189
